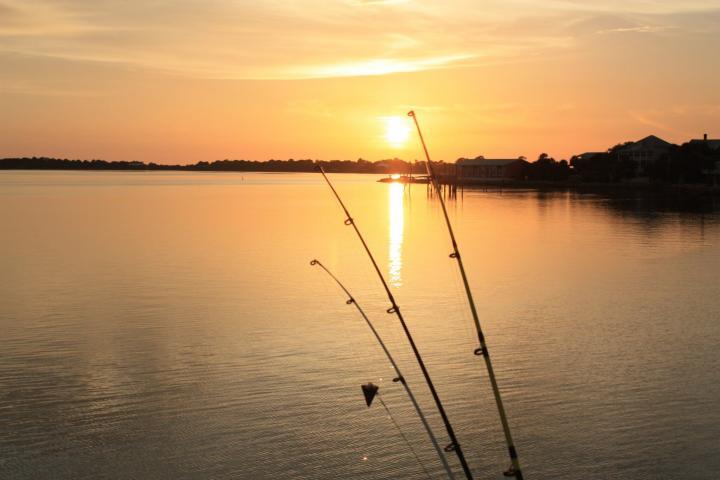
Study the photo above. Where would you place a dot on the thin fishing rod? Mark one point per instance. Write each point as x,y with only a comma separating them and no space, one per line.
514,469
400,377
454,445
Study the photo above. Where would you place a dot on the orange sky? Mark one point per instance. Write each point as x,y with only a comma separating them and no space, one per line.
185,81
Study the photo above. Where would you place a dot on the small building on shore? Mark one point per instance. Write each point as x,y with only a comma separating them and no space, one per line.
587,156
643,153
491,169
710,143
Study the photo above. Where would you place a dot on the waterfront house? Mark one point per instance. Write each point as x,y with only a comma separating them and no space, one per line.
712,144
489,169
587,156
643,153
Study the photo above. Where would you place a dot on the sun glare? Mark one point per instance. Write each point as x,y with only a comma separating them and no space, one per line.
397,131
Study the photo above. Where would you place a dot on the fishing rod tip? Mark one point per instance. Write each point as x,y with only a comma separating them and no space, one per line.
411,113
314,261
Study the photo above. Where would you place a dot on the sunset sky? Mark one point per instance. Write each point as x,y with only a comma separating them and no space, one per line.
190,80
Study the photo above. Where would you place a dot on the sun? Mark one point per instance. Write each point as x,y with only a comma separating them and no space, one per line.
397,130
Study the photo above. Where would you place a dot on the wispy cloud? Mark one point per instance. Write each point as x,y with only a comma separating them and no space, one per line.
638,29
655,120
40,90
314,38
377,2
379,66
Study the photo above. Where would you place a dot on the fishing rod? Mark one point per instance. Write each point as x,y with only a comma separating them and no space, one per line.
454,445
514,470
400,377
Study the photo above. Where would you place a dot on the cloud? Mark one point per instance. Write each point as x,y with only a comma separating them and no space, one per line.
313,38
638,29
7,13
378,66
48,91
378,2
633,7
651,119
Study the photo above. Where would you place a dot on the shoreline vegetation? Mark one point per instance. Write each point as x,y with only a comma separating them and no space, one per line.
288,166
648,164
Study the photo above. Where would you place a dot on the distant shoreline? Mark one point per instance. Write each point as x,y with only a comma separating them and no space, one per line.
539,185
448,175
657,188
389,166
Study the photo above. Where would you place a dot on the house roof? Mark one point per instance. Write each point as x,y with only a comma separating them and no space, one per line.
713,144
651,142
589,155
487,162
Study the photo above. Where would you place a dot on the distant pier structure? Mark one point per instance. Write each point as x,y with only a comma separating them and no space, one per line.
482,171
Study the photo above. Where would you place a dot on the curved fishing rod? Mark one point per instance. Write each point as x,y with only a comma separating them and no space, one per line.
514,470
454,445
400,377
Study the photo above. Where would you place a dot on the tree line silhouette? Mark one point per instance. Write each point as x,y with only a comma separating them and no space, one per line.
692,162
360,165
687,163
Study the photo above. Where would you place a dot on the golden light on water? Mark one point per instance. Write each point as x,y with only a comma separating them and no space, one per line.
396,216
397,130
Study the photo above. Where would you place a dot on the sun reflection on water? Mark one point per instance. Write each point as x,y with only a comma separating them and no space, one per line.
396,217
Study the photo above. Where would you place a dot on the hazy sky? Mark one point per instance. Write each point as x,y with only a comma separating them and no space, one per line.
190,80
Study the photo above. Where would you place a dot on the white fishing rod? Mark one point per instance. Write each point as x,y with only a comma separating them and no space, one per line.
400,378
514,470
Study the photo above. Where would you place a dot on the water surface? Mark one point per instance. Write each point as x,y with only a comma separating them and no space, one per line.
169,326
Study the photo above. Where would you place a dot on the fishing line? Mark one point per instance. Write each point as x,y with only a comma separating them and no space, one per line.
452,309
360,361
400,378
450,296
407,442
454,445
514,470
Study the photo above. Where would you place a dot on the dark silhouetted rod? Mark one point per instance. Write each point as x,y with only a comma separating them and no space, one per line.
454,445
400,377
514,470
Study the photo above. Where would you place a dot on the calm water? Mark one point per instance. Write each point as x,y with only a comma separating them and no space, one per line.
169,326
